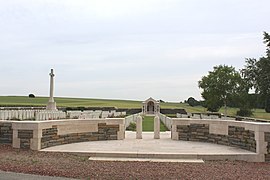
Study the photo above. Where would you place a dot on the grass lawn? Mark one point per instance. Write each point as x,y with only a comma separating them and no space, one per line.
148,124
87,102
67,102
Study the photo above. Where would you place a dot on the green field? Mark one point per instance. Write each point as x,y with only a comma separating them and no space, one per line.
148,124
76,102
87,102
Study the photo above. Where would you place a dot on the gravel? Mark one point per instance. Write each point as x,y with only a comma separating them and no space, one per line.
78,166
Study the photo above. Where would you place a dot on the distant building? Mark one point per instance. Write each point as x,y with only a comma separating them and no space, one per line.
150,106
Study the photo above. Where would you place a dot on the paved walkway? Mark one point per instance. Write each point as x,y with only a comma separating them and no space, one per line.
149,145
20,176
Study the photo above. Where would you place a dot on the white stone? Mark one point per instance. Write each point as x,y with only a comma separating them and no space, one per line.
156,127
51,104
139,128
150,106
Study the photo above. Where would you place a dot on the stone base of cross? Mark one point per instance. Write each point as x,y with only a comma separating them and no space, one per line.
51,106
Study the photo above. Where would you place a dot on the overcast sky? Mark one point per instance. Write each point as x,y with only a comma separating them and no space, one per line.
125,49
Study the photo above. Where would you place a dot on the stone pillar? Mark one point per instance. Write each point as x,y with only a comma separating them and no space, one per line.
156,127
139,127
174,133
51,104
261,146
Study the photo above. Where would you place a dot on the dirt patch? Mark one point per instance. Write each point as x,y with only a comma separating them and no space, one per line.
76,166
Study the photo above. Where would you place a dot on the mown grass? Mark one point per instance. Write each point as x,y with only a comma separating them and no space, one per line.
87,102
67,102
257,113
148,124
75,102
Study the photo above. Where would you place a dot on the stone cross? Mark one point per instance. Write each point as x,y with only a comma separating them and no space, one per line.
51,104
51,86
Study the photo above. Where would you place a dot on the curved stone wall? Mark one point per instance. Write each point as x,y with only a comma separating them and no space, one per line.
36,135
50,136
251,136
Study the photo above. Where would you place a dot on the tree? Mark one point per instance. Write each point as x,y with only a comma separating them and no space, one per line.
221,84
31,96
193,102
257,74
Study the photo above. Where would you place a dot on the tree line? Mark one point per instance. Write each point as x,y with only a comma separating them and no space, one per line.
225,86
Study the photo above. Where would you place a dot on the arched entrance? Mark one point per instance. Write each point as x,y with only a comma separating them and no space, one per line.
150,107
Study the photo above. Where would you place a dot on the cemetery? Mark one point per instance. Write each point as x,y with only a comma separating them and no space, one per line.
134,90
50,129
45,129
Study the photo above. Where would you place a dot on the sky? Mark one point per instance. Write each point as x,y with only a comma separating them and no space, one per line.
125,49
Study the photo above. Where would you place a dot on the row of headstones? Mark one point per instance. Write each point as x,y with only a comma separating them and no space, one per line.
50,115
130,119
17,115
202,116
40,115
31,115
167,121
94,114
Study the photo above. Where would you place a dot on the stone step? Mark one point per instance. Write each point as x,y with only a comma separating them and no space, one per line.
140,155
146,159
167,157
164,157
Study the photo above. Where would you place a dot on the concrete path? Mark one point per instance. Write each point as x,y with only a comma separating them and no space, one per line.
20,176
148,147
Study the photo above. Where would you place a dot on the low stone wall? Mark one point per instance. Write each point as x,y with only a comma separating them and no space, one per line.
36,135
25,137
251,136
237,136
50,136
267,139
6,133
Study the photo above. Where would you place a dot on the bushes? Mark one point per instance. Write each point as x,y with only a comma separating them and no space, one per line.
132,126
193,102
267,105
244,112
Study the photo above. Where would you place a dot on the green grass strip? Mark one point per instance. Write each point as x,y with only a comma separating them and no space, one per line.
148,124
